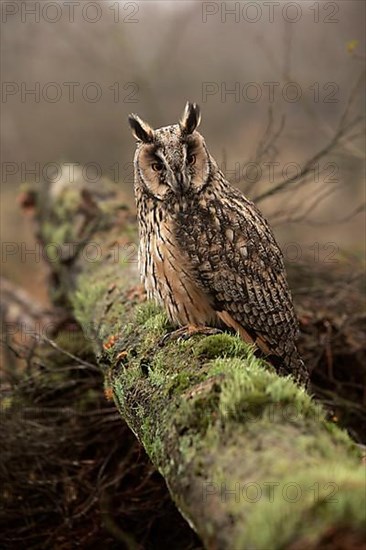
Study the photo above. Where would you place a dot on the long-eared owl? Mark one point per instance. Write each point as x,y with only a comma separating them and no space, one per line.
206,252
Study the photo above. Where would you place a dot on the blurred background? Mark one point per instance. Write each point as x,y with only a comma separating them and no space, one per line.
279,84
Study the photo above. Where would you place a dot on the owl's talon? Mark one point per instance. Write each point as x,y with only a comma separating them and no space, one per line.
185,333
192,331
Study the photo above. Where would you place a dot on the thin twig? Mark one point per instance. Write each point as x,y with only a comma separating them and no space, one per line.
53,344
283,185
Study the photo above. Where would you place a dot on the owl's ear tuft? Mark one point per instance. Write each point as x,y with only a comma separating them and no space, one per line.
191,118
141,130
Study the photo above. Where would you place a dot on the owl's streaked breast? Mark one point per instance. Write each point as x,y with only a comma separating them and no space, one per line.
166,274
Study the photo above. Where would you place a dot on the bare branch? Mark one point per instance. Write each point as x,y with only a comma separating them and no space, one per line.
309,165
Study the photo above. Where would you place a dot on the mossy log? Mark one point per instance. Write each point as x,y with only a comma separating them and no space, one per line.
249,458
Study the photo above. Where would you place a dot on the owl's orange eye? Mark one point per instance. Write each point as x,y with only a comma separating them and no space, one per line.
157,166
191,159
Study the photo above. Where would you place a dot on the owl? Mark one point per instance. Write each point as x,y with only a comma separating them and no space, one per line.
206,253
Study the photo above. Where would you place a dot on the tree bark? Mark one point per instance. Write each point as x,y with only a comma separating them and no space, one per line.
248,457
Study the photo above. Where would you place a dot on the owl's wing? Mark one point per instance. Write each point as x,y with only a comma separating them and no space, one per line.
239,265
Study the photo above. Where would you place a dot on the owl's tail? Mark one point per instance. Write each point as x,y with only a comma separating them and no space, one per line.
294,365
288,361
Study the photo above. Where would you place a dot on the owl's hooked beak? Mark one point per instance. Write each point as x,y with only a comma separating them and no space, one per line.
179,183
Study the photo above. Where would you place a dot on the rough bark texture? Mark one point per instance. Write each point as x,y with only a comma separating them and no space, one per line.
248,457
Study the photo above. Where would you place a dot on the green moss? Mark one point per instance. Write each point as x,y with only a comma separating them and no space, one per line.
128,329
165,372
125,379
60,236
179,382
145,311
86,297
302,504
340,437
195,413
67,205
248,385
47,231
188,446
140,411
157,376
222,345
157,324
152,442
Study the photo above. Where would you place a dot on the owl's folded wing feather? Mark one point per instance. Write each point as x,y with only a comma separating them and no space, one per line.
240,266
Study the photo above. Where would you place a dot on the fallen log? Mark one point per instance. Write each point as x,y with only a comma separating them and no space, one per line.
249,457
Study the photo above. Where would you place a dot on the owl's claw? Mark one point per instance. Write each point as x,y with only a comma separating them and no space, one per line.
184,333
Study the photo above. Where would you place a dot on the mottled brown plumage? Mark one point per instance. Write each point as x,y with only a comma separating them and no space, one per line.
206,252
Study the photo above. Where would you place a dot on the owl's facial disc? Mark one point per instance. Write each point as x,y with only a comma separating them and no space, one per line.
172,159
173,163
